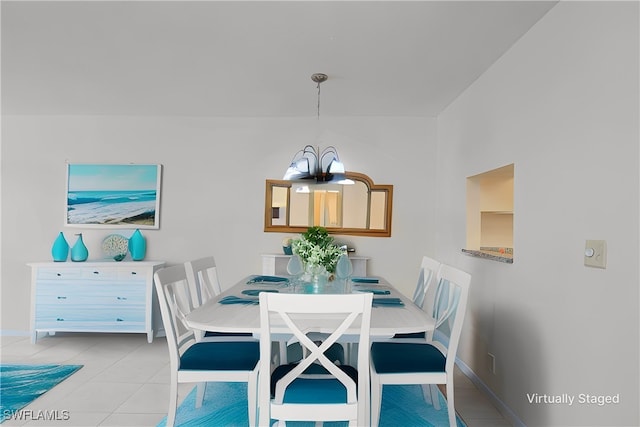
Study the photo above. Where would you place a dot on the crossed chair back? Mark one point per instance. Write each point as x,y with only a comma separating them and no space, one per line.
314,389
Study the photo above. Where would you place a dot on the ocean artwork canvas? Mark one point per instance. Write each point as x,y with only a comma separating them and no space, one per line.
113,195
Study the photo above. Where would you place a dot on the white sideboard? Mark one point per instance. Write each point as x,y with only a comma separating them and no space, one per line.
276,264
104,296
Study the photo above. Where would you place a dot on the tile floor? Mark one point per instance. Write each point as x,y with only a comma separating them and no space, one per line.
125,381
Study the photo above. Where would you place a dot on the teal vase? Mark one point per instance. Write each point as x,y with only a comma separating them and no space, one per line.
137,246
79,251
60,249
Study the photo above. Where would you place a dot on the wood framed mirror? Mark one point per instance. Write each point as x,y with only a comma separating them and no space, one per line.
359,209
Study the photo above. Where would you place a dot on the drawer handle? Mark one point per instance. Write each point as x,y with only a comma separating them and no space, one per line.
62,297
96,272
122,298
119,320
58,274
134,273
60,319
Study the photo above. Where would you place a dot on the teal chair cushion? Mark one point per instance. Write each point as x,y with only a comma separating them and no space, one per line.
221,356
395,358
307,390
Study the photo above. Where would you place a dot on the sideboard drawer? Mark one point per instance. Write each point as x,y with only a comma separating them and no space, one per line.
100,273
133,273
99,295
59,274
86,316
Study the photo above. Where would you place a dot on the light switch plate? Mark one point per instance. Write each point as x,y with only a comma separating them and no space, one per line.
595,253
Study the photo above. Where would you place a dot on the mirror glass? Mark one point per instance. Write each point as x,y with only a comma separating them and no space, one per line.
362,208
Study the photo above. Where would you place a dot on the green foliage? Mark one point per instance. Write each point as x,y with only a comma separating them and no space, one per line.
318,236
316,248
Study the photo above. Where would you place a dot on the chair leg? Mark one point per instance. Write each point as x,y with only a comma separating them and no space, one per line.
450,403
282,345
434,394
173,403
426,393
252,397
364,417
263,406
201,387
376,401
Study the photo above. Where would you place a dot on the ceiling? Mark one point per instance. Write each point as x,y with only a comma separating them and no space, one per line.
245,58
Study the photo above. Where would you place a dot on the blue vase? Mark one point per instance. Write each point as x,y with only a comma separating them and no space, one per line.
60,248
137,246
79,251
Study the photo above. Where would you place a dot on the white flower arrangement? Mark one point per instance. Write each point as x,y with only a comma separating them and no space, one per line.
316,248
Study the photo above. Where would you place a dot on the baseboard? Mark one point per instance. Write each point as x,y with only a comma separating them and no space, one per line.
14,333
502,407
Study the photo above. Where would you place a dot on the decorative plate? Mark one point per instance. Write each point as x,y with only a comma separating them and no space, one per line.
115,246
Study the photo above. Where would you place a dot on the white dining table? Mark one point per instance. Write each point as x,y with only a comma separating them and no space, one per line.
386,320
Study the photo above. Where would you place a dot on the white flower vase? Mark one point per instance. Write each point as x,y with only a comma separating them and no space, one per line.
317,276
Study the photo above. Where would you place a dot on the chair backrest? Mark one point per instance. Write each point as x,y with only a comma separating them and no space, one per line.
449,309
428,275
203,279
174,300
301,314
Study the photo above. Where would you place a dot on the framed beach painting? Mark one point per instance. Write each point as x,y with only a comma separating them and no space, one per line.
113,195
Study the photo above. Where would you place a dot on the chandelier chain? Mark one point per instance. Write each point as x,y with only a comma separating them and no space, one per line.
319,78
318,100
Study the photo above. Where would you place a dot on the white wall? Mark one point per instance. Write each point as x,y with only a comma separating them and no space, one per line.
562,105
213,188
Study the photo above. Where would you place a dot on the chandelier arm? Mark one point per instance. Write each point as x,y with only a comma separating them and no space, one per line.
330,150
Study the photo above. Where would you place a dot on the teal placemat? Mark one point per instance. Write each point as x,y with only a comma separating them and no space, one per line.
267,279
364,280
256,292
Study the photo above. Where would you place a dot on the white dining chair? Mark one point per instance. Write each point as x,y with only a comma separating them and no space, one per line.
204,285
314,389
429,269
428,362
429,273
203,279
221,360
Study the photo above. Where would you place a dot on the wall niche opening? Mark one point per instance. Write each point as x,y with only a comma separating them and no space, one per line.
490,214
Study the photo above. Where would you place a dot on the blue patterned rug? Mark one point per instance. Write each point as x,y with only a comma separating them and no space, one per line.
225,404
21,384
